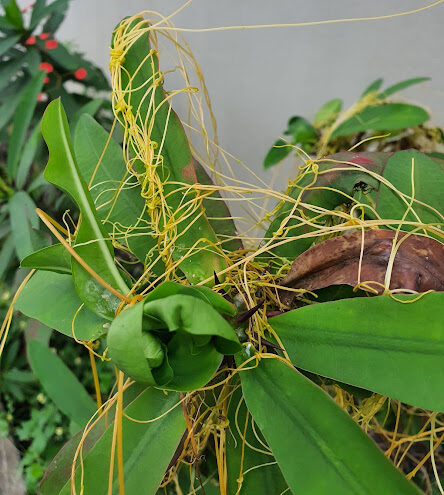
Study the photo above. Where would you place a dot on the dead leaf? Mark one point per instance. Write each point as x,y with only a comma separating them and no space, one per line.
418,265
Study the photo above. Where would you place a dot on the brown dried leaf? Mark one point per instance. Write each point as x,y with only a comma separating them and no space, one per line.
418,265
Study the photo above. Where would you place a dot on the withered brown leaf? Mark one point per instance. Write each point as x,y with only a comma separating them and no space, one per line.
418,264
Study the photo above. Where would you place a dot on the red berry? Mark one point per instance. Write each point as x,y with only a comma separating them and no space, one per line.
44,36
30,41
51,44
47,67
46,80
41,97
80,74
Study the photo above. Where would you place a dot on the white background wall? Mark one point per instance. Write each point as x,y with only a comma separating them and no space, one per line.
258,78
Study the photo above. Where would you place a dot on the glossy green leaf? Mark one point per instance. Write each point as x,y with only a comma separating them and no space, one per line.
277,153
37,14
177,166
52,258
402,85
27,156
173,341
60,383
317,445
123,206
374,86
396,350
7,43
24,222
300,131
22,120
428,182
91,240
260,471
147,449
386,117
52,299
328,112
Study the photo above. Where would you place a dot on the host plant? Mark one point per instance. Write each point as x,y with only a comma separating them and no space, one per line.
243,365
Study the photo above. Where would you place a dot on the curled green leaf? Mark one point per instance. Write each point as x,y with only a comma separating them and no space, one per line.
174,339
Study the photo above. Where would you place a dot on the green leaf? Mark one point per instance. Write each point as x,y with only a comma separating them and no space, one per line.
301,131
38,13
374,343
6,254
12,13
277,153
24,222
90,108
171,341
60,383
51,299
428,181
147,449
7,43
125,210
142,66
328,112
22,119
10,68
27,156
401,85
62,171
9,105
260,472
52,258
387,117
374,86
218,213
335,455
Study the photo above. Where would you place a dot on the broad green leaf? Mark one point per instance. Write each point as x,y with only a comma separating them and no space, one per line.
10,68
91,238
375,343
402,85
300,131
52,299
118,200
277,153
52,258
5,25
90,108
24,222
374,86
142,66
218,213
27,156
428,182
386,117
7,43
13,13
6,254
22,119
60,383
328,112
147,449
175,342
318,447
258,471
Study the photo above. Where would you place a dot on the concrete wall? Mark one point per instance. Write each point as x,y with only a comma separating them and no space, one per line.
258,78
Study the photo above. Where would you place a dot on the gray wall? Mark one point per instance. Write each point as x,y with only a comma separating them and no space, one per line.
258,78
